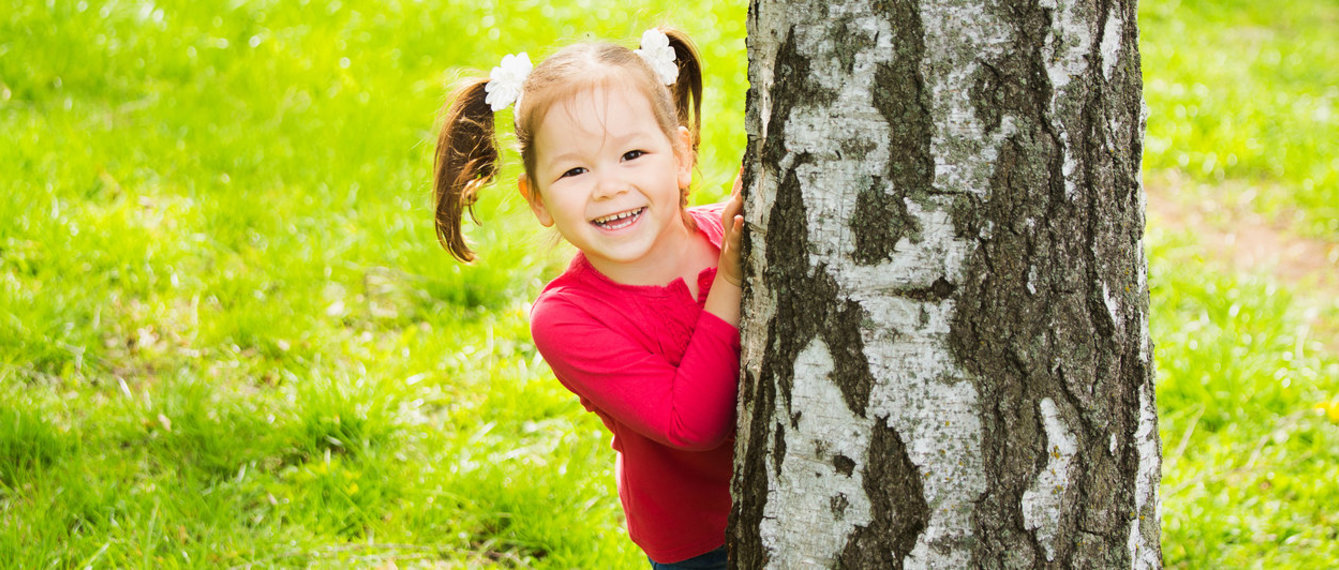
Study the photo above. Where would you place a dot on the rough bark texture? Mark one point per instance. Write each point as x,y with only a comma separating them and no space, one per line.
945,344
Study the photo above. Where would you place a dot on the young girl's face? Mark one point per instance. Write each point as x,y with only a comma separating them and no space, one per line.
608,178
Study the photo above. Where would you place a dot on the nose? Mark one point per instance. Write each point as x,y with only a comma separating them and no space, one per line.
609,184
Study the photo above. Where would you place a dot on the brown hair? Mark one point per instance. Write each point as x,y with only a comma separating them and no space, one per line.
467,154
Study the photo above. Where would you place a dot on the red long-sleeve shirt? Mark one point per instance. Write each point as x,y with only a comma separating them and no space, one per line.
663,376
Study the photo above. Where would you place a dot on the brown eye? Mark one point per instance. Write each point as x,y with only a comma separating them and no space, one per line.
633,154
574,172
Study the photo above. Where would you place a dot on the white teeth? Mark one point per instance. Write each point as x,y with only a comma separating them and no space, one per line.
606,220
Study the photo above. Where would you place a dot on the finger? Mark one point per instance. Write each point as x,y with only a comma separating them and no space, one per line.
732,209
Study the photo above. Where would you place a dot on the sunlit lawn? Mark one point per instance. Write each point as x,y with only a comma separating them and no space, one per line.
228,337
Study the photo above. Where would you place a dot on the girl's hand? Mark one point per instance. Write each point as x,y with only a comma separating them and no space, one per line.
733,222
726,289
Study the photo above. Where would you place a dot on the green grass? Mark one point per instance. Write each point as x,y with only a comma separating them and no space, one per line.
1241,90
1248,459
228,337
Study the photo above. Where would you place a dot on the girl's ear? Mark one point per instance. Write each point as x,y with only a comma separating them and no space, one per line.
531,195
684,153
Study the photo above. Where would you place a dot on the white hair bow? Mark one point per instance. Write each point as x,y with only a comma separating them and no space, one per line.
659,55
505,81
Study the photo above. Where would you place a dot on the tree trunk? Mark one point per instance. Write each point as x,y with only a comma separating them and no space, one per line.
946,351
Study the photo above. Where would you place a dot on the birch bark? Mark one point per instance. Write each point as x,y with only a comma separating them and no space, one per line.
946,350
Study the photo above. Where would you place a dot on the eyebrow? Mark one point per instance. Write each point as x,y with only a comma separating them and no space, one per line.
617,141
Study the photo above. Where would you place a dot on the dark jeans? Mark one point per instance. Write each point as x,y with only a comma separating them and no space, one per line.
714,560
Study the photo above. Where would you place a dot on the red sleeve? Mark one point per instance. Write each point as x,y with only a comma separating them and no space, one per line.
690,407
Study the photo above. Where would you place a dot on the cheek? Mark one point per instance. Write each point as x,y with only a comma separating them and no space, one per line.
566,207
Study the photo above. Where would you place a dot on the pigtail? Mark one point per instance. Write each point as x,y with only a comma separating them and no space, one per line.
687,87
466,159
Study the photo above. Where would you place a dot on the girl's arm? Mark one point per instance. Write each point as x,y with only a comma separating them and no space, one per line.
724,297
689,406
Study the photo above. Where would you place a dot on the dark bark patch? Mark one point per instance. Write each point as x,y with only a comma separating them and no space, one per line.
844,465
794,82
879,222
847,44
748,487
988,92
898,97
837,504
901,98
856,147
846,346
937,292
881,217
897,505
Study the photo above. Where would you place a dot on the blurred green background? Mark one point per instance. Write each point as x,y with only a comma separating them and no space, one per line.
228,337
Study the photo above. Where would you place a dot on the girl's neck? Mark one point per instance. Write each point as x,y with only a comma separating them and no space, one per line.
680,256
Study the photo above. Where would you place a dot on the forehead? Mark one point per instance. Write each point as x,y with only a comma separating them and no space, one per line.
600,110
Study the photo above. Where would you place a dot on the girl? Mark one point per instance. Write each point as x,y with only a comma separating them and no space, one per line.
643,324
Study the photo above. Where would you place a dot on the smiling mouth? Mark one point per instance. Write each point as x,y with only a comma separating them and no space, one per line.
620,220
